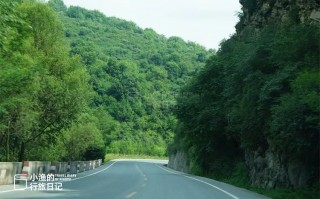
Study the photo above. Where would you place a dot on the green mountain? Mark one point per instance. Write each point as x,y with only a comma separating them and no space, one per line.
136,75
132,77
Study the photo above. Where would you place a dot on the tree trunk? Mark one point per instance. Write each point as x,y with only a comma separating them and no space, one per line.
8,143
22,150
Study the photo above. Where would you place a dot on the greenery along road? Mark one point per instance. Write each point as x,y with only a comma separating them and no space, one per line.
74,82
252,113
260,93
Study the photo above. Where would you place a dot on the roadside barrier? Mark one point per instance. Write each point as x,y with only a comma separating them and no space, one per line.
73,167
53,168
8,170
82,166
68,168
78,167
62,167
32,169
87,165
26,169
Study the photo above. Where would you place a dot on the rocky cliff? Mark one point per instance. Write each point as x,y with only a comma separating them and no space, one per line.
268,170
266,167
179,161
258,13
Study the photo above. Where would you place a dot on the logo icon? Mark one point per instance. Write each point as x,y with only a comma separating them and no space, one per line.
17,179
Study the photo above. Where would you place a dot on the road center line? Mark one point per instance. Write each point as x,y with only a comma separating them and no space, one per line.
218,188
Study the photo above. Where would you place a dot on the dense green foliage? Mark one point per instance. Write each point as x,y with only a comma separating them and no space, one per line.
256,94
75,84
135,74
43,89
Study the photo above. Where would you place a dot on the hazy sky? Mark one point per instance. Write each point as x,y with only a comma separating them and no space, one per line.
206,22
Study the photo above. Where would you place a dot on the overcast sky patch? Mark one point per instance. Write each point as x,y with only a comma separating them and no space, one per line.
205,22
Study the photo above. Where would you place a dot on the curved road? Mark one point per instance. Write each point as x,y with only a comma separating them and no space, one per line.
126,179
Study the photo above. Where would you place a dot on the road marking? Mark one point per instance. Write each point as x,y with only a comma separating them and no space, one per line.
218,188
66,181
93,173
131,194
12,190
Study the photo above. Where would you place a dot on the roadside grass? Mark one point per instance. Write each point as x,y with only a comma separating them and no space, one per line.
278,193
281,193
112,156
239,178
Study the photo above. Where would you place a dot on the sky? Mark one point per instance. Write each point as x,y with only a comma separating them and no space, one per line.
206,22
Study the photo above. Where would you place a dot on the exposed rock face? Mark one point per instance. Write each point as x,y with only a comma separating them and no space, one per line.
266,168
269,171
257,13
179,161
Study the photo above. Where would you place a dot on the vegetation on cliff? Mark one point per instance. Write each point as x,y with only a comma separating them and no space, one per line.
258,96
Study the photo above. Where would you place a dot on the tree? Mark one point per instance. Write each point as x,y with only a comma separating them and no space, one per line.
83,139
294,128
259,93
49,89
57,5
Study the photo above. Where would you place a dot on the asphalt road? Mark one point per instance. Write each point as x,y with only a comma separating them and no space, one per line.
127,179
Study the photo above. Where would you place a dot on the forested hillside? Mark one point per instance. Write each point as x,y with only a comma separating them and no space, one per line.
252,114
75,84
136,74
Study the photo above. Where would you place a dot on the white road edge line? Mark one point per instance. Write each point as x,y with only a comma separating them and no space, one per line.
11,190
218,188
131,194
92,173
66,181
